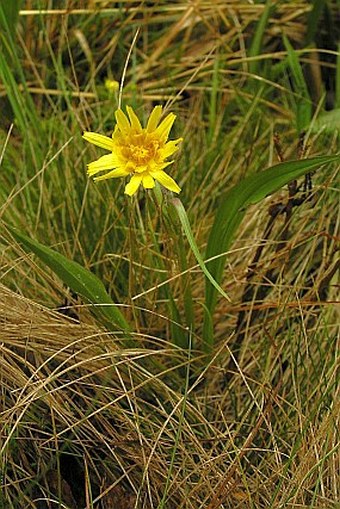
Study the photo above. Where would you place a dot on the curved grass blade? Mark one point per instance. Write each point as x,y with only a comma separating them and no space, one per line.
230,213
79,279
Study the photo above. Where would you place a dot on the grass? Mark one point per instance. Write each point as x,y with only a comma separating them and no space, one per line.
92,416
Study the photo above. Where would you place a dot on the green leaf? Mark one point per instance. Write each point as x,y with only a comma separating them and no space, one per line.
11,70
231,211
303,104
314,18
79,279
10,10
256,43
182,215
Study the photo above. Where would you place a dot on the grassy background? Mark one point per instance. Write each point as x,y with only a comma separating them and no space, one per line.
86,419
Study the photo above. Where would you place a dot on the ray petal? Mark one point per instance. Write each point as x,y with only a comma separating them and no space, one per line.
165,126
166,181
98,139
107,162
148,182
159,166
154,119
118,172
132,187
122,121
170,148
135,123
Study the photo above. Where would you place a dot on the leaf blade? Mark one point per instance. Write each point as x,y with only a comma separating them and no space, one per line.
79,279
182,215
232,210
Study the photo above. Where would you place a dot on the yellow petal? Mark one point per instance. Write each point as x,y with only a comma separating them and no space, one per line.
98,139
122,121
165,126
116,133
166,181
135,123
106,162
132,187
154,119
140,169
160,166
148,182
118,172
170,148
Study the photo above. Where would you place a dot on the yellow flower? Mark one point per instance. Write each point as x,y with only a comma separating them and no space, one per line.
136,151
111,85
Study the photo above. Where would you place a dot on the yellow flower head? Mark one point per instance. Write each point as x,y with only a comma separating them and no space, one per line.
111,85
136,151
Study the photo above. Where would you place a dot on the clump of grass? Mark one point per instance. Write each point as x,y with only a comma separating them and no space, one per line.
90,418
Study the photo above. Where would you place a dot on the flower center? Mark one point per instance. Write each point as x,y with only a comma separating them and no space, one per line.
140,149
140,154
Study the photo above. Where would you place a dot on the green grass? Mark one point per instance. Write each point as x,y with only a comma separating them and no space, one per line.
128,405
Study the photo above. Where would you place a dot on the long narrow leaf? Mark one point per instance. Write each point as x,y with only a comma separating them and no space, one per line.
313,20
11,69
9,14
229,215
303,102
182,215
79,279
256,43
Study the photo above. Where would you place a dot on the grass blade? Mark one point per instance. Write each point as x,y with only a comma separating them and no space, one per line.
303,101
313,20
76,277
11,12
256,43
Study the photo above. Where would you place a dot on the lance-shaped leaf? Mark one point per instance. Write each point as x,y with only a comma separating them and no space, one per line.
231,211
80,280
